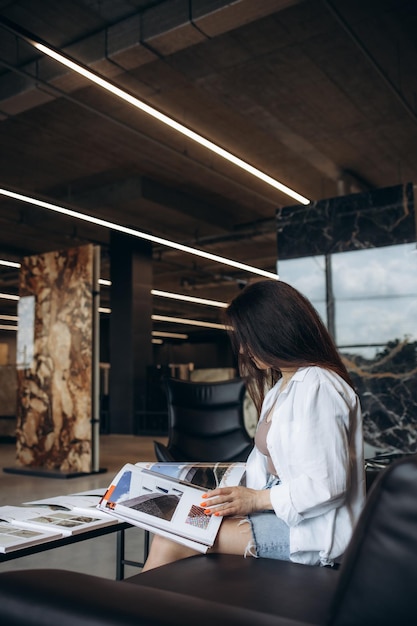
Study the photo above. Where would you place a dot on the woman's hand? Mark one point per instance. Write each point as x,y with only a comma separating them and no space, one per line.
236,501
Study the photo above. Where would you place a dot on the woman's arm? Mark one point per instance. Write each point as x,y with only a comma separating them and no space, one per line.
317,456
236,501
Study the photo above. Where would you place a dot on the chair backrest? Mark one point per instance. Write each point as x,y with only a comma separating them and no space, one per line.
378,577
206,421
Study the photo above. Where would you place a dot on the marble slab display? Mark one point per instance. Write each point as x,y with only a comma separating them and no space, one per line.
7,402
54,406
374,297
381,217
387,386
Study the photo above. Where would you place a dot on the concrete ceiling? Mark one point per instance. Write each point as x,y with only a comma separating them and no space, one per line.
320,95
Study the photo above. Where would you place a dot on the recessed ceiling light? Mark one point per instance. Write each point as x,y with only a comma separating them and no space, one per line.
135,233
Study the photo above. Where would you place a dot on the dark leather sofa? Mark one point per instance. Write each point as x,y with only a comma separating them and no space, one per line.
376,584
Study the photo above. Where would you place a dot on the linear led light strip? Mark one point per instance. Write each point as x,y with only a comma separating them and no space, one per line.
135,233
179,320
160,318
176,296
154,292
180,128
8,296
155,333
161,333
157,318
175,320
15,328
185,298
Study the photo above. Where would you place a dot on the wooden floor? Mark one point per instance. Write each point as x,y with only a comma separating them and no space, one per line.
96,556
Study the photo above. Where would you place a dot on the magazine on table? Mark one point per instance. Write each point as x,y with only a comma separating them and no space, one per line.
84,502
165,498
15,537
56,518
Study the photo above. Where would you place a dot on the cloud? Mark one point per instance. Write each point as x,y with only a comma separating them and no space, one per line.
375,291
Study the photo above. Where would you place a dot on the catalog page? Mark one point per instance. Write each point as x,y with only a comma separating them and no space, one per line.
13,537
140,496
207,475
53,519
83,502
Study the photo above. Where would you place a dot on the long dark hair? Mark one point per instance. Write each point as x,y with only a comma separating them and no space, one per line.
275,323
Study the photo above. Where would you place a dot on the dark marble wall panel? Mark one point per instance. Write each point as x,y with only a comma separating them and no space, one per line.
374,291
364,220
54,408
387,385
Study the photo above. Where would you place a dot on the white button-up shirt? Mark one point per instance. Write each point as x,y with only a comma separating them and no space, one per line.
316,445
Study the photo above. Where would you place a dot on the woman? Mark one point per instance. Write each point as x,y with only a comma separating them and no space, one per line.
305,475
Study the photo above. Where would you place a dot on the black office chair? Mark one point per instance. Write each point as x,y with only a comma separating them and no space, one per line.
205,422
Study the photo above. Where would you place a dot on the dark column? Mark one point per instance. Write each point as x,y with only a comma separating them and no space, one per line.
130,329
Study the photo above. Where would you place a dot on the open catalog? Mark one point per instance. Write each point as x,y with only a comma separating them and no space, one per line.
67,515
15,537
83,502
164,498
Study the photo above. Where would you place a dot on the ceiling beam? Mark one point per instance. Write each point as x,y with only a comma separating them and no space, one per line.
124,46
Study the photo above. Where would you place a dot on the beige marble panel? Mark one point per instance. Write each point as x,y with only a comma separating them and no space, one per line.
4,353
54,391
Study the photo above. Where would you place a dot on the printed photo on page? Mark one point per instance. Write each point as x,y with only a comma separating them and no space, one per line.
140,495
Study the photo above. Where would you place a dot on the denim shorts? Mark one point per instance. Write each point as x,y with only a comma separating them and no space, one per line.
271,535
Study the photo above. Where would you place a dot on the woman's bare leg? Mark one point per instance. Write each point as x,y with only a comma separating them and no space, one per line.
232,538
163,551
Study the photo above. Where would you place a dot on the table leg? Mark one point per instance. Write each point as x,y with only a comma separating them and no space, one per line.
120,555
